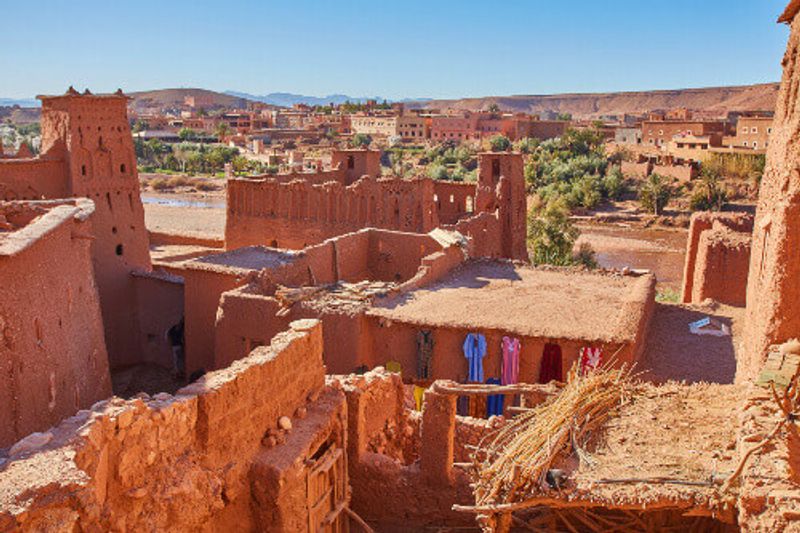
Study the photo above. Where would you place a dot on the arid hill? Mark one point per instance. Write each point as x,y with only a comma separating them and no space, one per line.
718,100
170,98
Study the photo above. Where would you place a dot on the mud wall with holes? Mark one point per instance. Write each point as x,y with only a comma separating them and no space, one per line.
298,214
212,457
453,200
773,283
53,358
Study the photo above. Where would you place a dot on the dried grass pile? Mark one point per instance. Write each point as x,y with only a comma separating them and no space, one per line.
511,465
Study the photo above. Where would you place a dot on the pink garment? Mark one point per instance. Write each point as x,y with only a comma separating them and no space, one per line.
511,349
591,359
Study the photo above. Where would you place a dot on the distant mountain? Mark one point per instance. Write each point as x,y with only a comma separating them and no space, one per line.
718,100
21,102
290,99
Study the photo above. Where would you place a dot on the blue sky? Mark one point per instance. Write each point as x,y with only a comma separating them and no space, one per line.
393,49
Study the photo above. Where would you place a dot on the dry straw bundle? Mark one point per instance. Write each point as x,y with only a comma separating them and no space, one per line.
511,465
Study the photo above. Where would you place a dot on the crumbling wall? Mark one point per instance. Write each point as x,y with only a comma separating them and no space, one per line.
193,461
33,179
723,262
53,358
453,200
773,284
297,214
392,490
393,256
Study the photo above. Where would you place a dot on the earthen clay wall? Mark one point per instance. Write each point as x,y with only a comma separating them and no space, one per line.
297,214
33,179
160,238
636,170
195,461
714,264
52,350
682,173
159,302
773,290
453,200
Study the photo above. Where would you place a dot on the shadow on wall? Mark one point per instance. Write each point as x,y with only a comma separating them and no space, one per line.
672,352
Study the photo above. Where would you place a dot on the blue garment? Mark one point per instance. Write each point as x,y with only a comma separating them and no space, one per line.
474,351
494,402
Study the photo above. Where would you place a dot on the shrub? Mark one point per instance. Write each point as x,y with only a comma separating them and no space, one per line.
159,184
203,185
551,234
708,194
585,256
500,143
614,184
178,181
655,193
361,140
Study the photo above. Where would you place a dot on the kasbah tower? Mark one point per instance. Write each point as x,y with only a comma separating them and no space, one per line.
92,135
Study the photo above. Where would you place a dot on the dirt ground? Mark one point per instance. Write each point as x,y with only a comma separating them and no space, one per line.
673,353
149,378
183,213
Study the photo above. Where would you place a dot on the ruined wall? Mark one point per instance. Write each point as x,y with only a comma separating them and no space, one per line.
356,163
501,189
773,286
708,270
53,358
453,200
210,458
297,214
33,179
384,443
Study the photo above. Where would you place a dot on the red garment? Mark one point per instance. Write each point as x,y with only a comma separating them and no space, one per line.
551,364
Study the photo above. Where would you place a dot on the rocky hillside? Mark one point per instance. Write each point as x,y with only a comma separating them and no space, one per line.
718,100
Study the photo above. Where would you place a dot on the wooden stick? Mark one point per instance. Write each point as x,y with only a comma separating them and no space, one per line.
360,521
751,451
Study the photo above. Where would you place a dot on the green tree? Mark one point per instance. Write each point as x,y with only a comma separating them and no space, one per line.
494,108
361,140
187,134
564,116
500,143
655,193
551,234
709,193
222,130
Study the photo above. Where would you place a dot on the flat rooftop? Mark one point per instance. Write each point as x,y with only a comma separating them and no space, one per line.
527,301
244,259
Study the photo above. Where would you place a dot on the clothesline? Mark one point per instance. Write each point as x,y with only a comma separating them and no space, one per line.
478,389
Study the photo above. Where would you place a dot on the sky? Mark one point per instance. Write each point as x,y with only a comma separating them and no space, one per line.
389,48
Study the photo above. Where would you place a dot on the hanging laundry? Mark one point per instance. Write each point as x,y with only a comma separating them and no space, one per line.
590,358
474,351
511,349
419,394
494,402
424,353
551,363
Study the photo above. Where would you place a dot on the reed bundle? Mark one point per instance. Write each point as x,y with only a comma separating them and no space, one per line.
511,464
